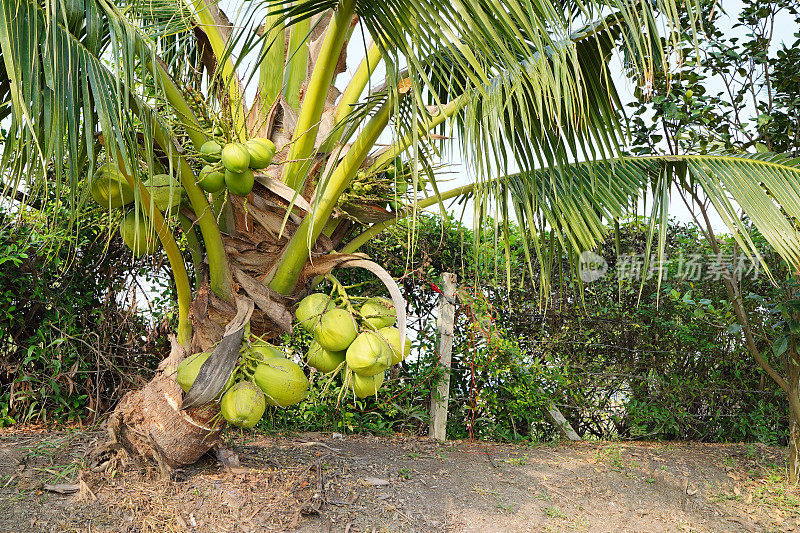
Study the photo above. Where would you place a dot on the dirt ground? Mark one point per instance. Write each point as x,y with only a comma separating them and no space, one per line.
329,482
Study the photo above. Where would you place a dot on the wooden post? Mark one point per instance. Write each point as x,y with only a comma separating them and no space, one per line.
560,422
440,394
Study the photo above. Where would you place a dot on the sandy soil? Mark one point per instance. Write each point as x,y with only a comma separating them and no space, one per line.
328,482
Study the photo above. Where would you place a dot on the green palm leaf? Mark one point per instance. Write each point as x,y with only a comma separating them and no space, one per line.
576,202
69,79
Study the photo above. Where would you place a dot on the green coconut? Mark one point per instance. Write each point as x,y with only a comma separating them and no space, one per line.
138,234
379,312
109,187
261,152
211,179
235,158
365,386
264,350
240,183
166,193
324,360
283,381
311,308
211,151
243,405
189,368
335,330
369,354
392,337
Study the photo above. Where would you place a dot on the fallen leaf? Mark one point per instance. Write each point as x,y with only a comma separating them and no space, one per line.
374,481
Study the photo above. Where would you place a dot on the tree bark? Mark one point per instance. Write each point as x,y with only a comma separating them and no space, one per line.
794,441
440,394
148,423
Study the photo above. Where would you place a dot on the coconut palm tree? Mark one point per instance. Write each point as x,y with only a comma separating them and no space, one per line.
139,89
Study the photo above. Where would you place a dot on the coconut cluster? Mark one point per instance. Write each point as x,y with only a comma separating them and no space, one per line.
232,165
263,376
110,189
362,341
388,189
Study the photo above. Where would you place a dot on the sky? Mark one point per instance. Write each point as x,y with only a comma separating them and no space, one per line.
786,31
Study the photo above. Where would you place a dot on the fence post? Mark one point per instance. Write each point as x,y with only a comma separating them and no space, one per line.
560,422
440,393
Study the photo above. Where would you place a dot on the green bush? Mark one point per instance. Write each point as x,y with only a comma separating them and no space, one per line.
618,364
69,343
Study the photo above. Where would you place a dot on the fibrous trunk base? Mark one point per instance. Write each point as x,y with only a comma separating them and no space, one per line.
149,424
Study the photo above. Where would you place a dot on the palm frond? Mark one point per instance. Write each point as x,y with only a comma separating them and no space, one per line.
546,58
74,84
577,202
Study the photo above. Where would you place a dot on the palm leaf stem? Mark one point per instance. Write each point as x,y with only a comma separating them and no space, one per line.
305,133
351,95
287,270
175,99
296,69
183,289
193,243
272,59
227,74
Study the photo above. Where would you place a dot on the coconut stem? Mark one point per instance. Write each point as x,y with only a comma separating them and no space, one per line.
193,244
205,20
272,54
296,69
351,95
183,288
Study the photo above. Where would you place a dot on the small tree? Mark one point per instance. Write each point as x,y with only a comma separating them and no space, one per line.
758,108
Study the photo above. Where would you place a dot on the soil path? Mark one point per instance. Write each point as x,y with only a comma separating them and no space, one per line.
328,482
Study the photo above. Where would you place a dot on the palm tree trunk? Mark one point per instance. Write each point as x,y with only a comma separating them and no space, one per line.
148,423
